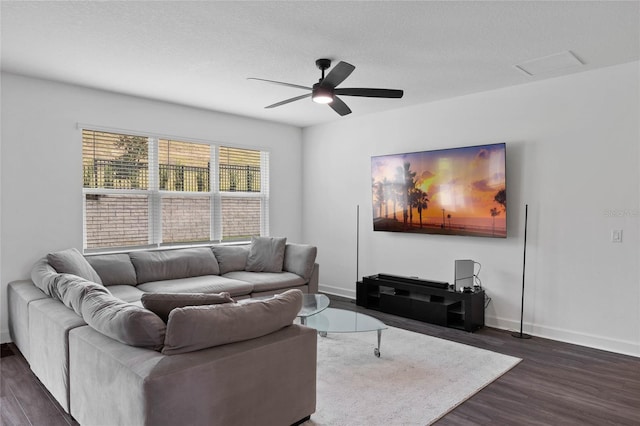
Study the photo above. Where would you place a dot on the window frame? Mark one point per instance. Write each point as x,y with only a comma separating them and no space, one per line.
155,194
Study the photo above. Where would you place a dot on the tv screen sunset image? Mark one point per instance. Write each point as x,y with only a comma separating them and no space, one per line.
457,191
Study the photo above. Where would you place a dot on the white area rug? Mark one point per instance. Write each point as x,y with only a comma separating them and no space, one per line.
417,379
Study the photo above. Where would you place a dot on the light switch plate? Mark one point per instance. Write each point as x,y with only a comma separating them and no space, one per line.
616,236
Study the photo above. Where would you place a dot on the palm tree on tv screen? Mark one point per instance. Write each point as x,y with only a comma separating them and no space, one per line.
388,193
501,198
396,193
406,177
421,203
379,194
494,212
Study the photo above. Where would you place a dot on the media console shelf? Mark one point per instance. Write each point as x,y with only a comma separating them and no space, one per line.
423,300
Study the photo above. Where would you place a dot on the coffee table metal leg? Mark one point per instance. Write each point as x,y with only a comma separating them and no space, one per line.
376,351
303,320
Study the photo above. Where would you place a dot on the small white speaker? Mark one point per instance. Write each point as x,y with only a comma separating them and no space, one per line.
464,274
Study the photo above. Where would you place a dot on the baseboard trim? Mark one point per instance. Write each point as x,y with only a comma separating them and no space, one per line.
562,335
568,336
5,336
337,291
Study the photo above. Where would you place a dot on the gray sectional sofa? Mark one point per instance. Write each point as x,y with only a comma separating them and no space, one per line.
92,330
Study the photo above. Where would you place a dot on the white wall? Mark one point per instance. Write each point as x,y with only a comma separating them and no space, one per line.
41,197
572,155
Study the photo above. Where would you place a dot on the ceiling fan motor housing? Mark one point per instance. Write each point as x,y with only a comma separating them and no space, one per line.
321,94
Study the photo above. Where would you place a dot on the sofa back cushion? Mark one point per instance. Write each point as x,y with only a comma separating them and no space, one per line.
231,258
300,259
121,321
71,261
266,254
198,327
173,264
44,276
163,303
114,269
72,289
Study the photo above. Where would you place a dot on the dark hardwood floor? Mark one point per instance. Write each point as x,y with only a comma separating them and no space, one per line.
555,384
23,399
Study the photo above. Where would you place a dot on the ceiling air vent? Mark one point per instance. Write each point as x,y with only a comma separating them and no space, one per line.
547,64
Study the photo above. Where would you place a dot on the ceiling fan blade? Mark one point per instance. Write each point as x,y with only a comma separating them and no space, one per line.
370,93
339,106
337,75
286,101
297,86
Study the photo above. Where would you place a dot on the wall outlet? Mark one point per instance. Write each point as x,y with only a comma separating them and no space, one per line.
616,235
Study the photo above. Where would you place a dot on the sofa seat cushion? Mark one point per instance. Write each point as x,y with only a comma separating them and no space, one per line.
204,284
173,264
265,281
126,293
193,328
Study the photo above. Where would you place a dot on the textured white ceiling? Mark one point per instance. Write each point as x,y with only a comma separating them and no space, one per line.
201,53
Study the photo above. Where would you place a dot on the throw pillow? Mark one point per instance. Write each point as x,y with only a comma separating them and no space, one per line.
266,254
229,322
300,259
71,261
163,303
231,258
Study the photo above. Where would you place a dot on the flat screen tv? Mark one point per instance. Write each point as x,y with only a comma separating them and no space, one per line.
454,191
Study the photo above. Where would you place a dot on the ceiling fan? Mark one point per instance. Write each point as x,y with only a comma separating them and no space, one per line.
326,92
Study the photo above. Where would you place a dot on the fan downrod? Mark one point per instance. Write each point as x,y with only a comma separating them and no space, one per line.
323,64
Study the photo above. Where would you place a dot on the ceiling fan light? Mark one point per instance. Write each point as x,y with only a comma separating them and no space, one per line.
322,99
322,95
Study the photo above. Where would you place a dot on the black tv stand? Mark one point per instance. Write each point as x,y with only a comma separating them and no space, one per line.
423,300
412,280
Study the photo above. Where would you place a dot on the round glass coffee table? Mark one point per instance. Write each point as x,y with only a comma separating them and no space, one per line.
330,320
312,304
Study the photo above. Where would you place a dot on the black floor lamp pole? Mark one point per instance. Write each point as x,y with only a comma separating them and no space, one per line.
521,335
357,242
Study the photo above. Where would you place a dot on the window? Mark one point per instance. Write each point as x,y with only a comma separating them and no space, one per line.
184,184
239,177
146,191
